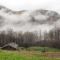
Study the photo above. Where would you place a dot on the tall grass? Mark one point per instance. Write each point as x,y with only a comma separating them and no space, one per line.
23,55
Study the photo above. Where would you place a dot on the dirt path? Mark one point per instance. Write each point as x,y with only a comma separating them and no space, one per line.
37,53
51,54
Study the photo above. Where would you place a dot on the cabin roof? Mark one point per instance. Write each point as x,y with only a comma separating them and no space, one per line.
14,45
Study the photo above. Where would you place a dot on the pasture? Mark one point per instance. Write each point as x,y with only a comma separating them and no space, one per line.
34,53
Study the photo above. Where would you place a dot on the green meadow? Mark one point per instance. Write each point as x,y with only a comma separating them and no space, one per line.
34,53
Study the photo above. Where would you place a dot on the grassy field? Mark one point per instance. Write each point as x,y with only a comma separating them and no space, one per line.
46,49
24,55
29,55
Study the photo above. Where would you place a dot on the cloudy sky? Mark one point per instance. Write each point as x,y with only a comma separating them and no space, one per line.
28,5
31,4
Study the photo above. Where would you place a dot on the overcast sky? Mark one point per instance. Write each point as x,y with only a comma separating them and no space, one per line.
31,4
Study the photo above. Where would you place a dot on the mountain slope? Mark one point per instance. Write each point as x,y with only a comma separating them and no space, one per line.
33,21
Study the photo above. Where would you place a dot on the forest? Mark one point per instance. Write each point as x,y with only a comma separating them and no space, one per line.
29,39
